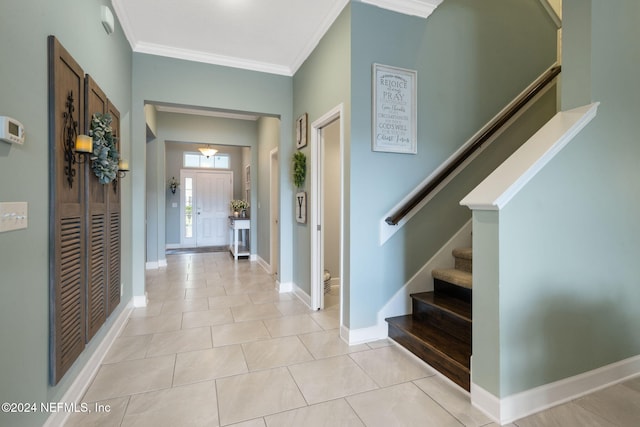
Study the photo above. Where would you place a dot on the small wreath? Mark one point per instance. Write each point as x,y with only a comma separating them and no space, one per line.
299,170
104,160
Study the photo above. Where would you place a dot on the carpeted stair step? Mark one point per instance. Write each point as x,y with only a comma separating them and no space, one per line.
444,311
453,276
463,259
446,353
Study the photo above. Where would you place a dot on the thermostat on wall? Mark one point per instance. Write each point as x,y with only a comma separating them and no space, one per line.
11,130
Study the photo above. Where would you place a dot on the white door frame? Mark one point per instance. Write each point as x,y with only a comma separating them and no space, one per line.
316,204
274,214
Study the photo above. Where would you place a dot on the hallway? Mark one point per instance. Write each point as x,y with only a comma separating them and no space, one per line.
217,346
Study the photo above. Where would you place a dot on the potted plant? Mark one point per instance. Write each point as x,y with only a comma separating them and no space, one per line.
238,206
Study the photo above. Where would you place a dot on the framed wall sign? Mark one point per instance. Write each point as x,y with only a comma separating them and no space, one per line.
301,207
301,131
394,115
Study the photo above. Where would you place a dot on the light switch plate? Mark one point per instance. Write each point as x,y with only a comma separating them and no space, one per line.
13,216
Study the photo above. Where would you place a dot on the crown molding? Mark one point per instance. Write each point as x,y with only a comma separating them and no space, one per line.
322,30
227,61
421,8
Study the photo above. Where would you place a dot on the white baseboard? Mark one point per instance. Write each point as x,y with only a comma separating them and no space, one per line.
285,287
264,264
363,335
151,265
140,301
172,246
81,383
514,407
162,263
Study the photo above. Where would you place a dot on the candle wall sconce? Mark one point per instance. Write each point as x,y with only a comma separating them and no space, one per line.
76,146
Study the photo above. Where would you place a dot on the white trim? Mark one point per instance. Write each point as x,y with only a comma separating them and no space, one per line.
81,383
173,246
364,335
302,295
421,8
162,263
400,303
511,176
316,204
151,265
264,264
511,408
387,231
140,301
553,14
285,287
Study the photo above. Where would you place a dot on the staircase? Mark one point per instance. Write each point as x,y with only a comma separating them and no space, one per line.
439,329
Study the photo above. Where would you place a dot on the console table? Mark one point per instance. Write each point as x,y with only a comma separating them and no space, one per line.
236,224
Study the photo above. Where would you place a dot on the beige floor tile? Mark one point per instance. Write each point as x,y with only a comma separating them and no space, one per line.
454,400
107,413
293,307
274,353
328,344
195,319
390,365
327,414
258,422
380,343
291,325
193,405
565,415
152,309
400,405
128,348
618,404
331,378
228,301
272,296
131,376
209,291
237,333
152,325
201,365
633,384
181,306
328,319
249,396
165,293
180,341
249,312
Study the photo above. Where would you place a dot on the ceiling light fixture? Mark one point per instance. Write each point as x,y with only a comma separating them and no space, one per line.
208,151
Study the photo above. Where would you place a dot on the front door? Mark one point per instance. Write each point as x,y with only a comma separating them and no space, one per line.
212,197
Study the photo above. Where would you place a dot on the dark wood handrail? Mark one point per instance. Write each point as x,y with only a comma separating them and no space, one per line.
475,145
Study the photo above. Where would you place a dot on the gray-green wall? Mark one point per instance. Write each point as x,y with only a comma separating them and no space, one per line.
24,172
268,139
472,58
171,81
563,252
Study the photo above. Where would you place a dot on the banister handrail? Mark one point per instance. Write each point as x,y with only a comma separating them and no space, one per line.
491,129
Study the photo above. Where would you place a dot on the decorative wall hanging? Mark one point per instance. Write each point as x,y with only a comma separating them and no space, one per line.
104,161
173,184
301,131
299,168
301,207
394,116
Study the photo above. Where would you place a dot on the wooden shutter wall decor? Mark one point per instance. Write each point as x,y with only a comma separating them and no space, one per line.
84,229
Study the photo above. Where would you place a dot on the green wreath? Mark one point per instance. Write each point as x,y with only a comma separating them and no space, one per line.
299,169
104,160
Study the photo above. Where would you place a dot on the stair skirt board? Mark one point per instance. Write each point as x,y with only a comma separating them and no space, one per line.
400,303
519,405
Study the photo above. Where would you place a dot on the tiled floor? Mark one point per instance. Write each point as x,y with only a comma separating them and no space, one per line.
217,346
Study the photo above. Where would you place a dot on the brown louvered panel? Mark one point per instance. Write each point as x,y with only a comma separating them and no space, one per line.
97,287
69,304
114,261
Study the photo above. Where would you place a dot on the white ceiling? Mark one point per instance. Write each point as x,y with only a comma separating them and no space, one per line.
273,36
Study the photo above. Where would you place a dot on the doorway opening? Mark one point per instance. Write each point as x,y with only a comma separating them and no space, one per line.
327,211
274,214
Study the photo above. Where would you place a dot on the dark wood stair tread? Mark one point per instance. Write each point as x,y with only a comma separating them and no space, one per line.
445,302
447,345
